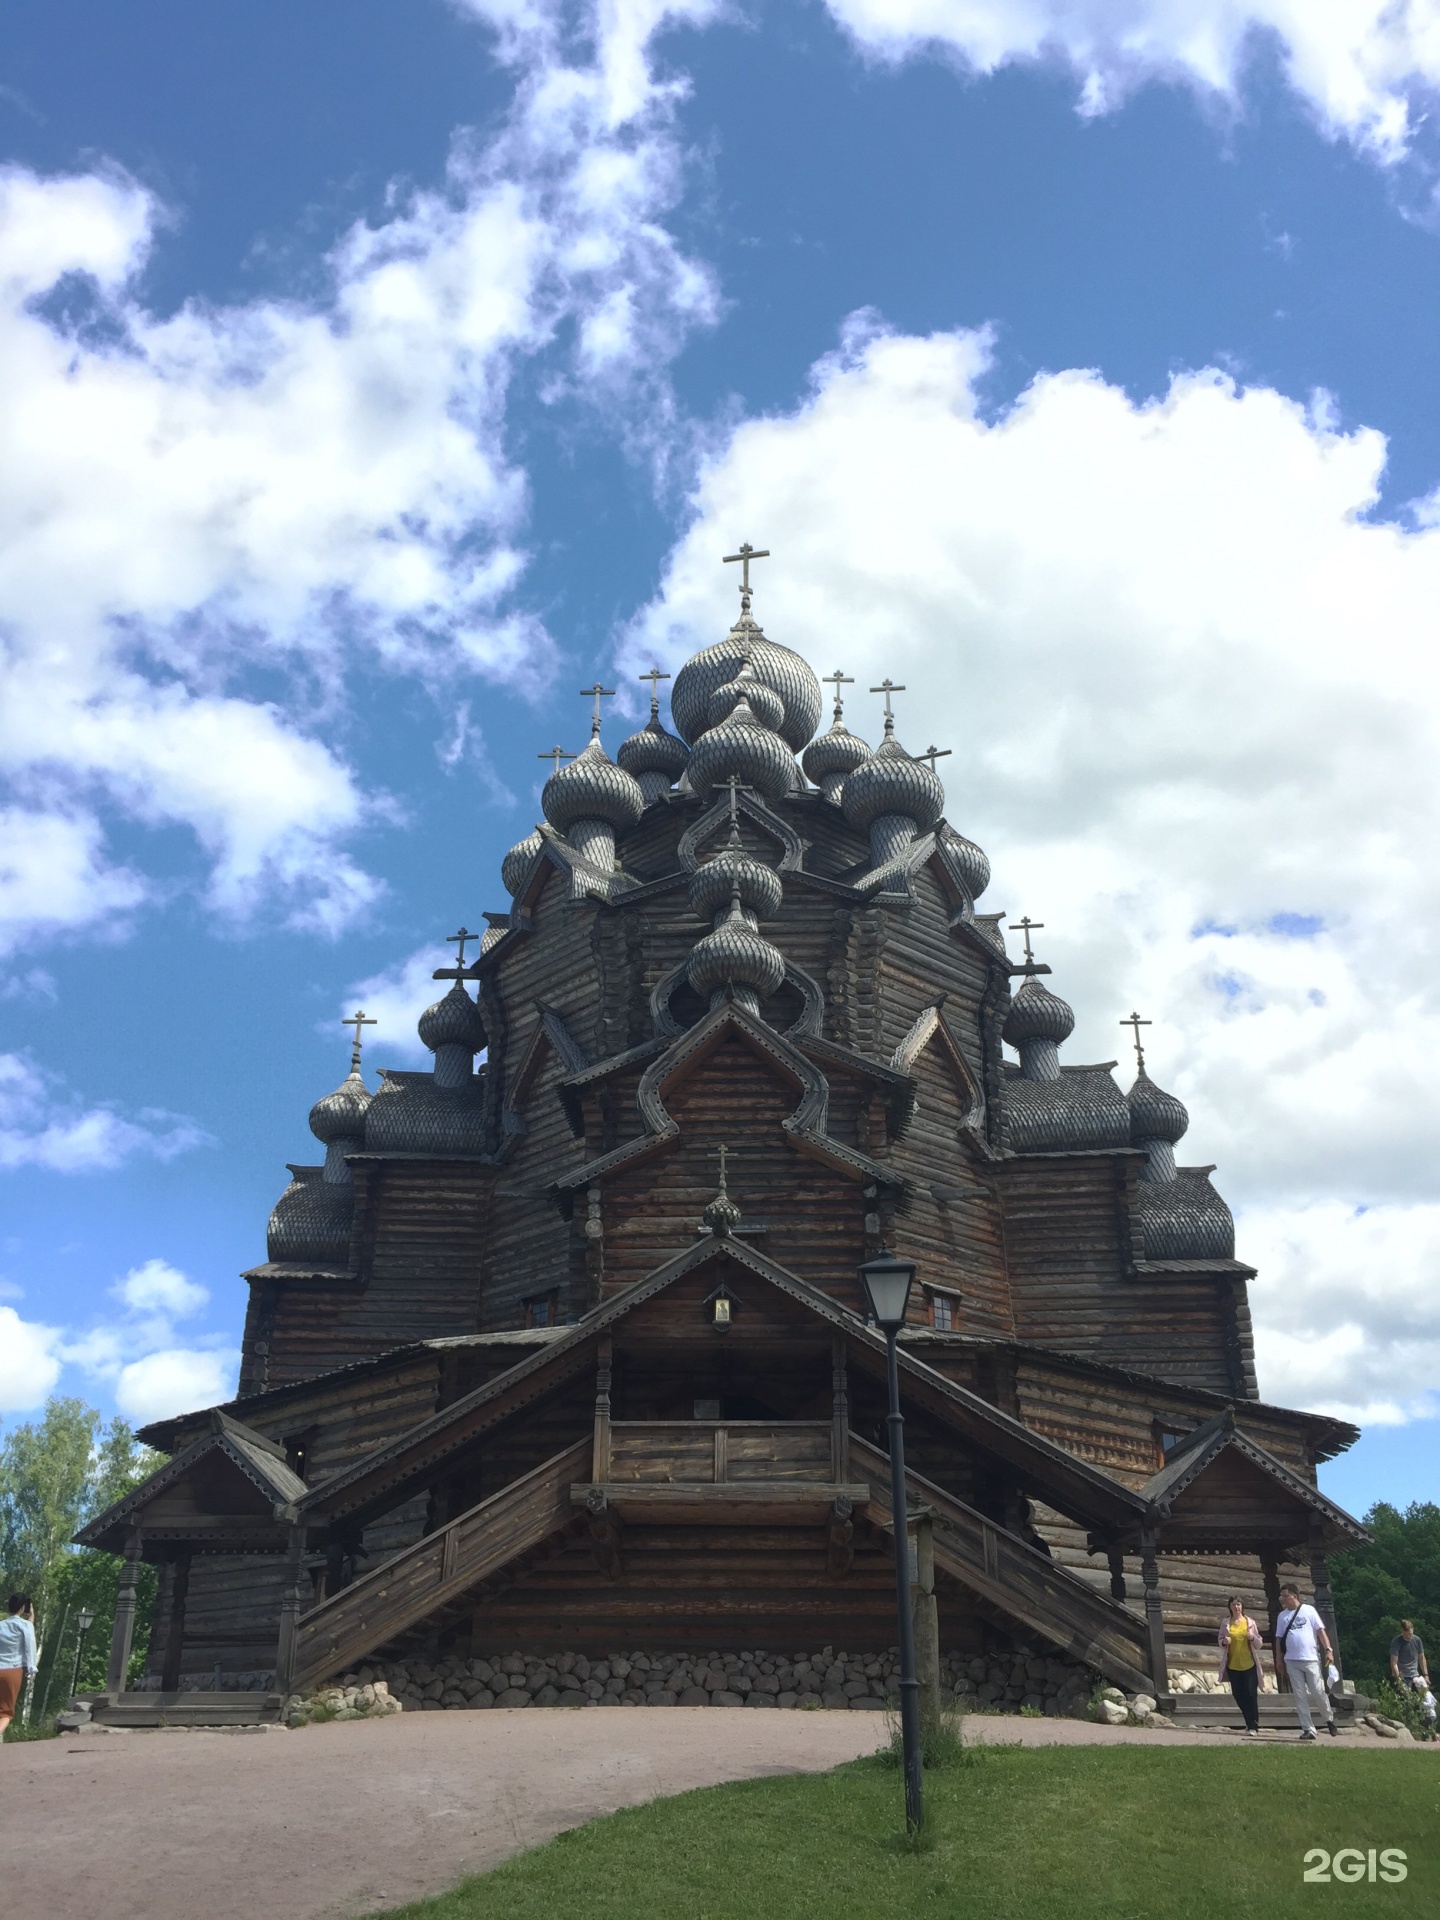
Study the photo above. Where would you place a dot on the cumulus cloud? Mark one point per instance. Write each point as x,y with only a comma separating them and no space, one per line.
1191,690
43,1125
158,1288
1367,69
287,487
178,1380
29,1367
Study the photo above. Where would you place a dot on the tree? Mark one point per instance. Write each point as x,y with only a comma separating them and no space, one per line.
54,1476
1395,1579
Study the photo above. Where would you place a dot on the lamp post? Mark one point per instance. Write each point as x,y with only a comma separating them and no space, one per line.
887,1282
85,1622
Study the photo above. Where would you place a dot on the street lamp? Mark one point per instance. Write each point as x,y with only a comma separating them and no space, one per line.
887,1282
85,1622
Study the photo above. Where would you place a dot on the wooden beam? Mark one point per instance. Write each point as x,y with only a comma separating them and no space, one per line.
175,1636
840,1409
1154,1617
604,1375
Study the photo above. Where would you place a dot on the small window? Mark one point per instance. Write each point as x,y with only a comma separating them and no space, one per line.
944,1312
298,1448
707,1410
1167,1437
543,1310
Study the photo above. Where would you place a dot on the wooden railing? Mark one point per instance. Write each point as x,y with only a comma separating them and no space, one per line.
990,1562
709,1452
413,1582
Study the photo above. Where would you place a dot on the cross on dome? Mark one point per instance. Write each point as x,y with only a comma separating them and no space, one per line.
932,754
555,755
654,676
1024,923
746,554
887,686
838,680
357,1020
458,940
1135,1023
597,693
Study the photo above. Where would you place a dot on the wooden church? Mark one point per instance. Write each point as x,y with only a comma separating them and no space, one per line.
567,1350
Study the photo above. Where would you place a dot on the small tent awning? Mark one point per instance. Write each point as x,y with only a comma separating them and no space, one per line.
229,1491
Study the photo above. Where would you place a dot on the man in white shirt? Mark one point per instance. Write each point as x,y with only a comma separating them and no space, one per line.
1300,1643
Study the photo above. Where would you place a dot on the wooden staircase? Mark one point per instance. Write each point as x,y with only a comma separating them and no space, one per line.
991,1563
421,1579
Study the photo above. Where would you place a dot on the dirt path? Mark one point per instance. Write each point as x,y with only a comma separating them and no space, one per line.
346,1819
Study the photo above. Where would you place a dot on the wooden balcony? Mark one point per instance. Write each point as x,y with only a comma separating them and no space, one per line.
723,1471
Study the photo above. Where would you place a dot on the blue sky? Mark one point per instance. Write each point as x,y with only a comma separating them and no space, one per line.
373,375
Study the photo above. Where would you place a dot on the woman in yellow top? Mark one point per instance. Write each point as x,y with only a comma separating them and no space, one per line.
1240,1662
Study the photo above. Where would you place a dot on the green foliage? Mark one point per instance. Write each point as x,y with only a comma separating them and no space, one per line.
56,1474
1377,1586
1402,1704
942,1742
1042,1833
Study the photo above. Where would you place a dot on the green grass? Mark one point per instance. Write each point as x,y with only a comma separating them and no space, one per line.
1086,1833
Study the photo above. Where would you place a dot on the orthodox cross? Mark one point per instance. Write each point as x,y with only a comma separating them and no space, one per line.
458,940
932,754
722,1153
838,680
556,754
887,686
654,676
357,1021
1025,924
746,554
599,693
1135,1023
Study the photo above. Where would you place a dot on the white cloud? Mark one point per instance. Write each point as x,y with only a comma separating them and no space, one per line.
178,1380
28,1365
43,1126
157,1287
294,488
1367,69
395,999
1192,693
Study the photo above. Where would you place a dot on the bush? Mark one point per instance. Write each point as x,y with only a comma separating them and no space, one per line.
1399,1703
1376,1587
942,1741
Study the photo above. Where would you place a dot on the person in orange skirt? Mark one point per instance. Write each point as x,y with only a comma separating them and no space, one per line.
17,1654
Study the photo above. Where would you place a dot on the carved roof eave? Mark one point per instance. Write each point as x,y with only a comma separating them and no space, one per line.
1076,1487
259,1459
1236,1268
806,1126
1199,1450
302,1270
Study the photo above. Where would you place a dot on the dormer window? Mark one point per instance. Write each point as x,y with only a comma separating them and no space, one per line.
944,1310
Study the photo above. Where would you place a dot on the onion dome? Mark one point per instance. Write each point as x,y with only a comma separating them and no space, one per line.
654,758
767,706
454,1021
890,782
341,1114
971,860
1154,1114
830,760
722,1216
1037,1023
741,745
776,667
736,956
518,861
592,787
735,872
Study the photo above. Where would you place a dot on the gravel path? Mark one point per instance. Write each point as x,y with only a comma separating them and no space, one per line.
346,1819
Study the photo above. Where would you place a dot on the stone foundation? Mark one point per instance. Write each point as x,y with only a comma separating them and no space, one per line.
830,1678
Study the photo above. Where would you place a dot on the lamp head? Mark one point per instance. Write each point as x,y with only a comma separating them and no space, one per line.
87,1620
887,1281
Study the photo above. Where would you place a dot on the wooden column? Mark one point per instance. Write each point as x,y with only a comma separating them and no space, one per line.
926,1615
175,1633
291,1601
840,1414
1320,1582
124,1634
1154,1617
1270,1574
1115,1557
600,1455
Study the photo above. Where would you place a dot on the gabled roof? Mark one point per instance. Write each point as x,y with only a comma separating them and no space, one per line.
1064,1481
1192,1457
259,1459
